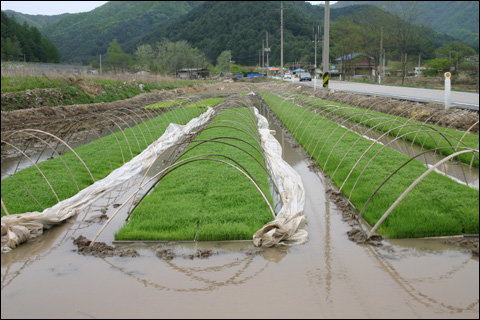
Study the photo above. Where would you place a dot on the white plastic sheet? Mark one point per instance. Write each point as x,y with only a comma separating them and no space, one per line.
289,226
19,228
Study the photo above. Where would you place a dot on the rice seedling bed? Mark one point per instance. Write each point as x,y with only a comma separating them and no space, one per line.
210,102
437,206
428,136
101,157
208,200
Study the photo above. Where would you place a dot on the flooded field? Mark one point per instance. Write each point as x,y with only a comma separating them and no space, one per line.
328,277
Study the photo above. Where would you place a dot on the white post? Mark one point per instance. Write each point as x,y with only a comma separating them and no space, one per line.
315,67
447,90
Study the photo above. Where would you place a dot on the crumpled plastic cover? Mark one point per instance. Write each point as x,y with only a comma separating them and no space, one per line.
19,228
289,226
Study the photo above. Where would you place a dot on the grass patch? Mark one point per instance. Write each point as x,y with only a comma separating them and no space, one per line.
101,157
207,200
437,206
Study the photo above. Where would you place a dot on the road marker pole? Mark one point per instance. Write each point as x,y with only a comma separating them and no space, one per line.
447,90
325,79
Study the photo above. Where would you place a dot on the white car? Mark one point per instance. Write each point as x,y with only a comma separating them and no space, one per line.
287,76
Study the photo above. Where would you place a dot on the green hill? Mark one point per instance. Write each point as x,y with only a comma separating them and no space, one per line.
38,21
21,42
240,26
458,19
83,36
215,26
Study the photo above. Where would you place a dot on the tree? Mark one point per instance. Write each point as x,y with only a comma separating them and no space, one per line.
116,58
22,42
403,31
238,69
145,56
168,57
345,37
438,65
371,31
224,61
11,50
455,51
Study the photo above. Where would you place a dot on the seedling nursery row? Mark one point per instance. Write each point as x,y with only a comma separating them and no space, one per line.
219,188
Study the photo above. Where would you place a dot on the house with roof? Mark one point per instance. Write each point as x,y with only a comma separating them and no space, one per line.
356,64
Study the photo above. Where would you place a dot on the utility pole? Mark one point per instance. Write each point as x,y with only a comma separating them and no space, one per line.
316,36
326,44
380,57
315,66
383,67
263,56
281,40
259,59
268,50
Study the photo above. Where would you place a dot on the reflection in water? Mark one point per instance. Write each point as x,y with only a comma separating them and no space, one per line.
240,270
418,284
16,261
38,248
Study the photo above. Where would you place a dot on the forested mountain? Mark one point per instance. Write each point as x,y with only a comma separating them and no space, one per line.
236,26
23,42
240,26
38,21
364,12
458,19
83,36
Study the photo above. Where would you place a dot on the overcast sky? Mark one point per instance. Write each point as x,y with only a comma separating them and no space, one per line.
51,8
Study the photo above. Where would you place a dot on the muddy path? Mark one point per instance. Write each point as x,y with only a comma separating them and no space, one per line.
330,276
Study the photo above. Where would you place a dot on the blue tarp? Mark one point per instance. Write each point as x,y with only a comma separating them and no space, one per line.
298,70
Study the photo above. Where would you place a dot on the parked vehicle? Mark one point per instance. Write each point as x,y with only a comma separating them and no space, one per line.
287,76
305,76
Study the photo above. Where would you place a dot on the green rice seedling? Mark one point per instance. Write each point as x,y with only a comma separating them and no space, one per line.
165,104
437,206
101,158
425,135
208,200
210,102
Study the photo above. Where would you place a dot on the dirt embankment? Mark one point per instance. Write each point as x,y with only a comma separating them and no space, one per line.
430,113
39,117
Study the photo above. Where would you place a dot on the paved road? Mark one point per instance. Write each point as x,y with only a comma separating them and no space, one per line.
463,100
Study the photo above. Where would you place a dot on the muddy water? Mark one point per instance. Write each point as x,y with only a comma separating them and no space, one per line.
328,277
